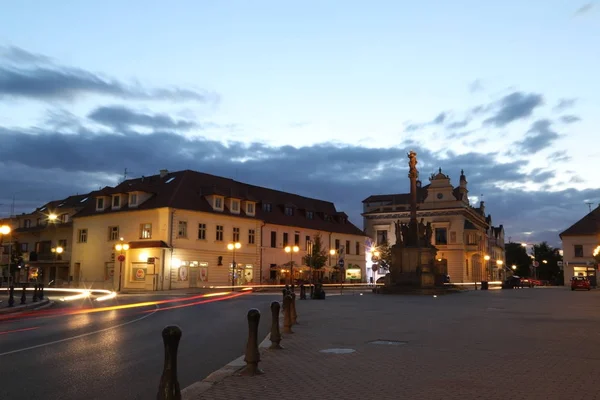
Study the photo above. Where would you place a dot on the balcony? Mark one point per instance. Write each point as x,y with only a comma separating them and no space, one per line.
48,257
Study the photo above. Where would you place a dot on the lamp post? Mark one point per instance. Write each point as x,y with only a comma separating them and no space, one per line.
5,230
499,263
56,251
121,248
292,250
233,247
331,254
487,265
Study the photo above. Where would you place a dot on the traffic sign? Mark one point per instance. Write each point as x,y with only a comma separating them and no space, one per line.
536,264
375,267
121,258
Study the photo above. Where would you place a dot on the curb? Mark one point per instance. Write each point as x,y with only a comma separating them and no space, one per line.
196,389
32,306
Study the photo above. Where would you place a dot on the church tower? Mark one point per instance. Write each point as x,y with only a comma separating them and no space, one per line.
462,188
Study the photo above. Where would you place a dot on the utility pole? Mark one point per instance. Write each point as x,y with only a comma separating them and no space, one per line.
589,203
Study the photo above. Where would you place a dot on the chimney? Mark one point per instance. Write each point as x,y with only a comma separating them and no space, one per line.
163,172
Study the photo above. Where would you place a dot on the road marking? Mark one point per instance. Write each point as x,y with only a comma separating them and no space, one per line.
19,330
78,336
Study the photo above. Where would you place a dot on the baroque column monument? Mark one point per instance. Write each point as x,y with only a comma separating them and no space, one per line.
413,255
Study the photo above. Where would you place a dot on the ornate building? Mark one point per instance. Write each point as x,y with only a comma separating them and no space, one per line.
471,247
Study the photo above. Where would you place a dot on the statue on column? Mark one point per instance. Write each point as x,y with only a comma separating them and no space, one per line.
398,230
412,162
421,232
428,234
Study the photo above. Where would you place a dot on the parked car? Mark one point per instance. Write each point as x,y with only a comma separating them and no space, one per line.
580,282
512,282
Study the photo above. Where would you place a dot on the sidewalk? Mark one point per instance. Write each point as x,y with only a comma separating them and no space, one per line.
517,344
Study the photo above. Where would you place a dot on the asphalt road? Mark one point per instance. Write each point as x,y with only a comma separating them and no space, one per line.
119,354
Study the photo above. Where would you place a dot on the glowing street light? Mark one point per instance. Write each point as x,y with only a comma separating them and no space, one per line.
233,247
514,267
292,250
4,230
52,217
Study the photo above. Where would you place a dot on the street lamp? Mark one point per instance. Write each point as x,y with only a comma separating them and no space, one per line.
5,230
56,251
52,217
292,250
514,267
121,248
487,265
499,263
233,247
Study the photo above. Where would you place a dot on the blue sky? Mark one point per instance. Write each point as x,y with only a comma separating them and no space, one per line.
460,80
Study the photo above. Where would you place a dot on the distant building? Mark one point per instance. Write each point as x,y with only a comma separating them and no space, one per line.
578,243
463,234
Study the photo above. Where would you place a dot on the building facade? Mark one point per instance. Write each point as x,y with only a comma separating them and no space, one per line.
188,229
467,242
578,243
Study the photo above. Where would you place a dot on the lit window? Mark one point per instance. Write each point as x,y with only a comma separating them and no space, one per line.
146,231
113,233
82,236
182,231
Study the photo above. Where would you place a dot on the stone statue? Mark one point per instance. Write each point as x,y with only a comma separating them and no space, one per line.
412,161
428,234
405,234
398,226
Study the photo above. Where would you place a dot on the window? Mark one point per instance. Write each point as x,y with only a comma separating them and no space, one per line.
100,204
27,223
289,211
273,239
218,202
285,239
64,218
267,207
113,233
235,205
310,215
133,199
249,208
251,236
441,236
117,201
381,238
82,236
297,239
578,250
348,249
307,242
219,234
236,234
182,231
146,231
337,244
357,248
24,247
202,231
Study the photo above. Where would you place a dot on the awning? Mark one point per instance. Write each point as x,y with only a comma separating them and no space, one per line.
147,244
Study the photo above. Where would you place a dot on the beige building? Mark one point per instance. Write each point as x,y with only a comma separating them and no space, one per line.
471,247
177,227
41,242
578,243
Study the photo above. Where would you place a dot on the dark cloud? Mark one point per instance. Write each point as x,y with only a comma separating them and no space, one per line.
121,117
29,75
440,118
515,106
564,104
539,137
476,86
458,124
584,9
559,156
570,119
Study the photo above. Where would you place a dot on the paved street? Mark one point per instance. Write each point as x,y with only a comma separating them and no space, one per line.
500,344
118,354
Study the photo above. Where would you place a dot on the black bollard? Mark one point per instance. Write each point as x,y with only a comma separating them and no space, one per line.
287,314
23,297
11,296
41,291
35,293
252,357
168,389
312,291
275,334
293,310
302,292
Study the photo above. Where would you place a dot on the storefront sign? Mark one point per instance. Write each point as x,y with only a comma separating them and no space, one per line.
139,274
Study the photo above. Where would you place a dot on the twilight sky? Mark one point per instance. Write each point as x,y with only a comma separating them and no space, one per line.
322,98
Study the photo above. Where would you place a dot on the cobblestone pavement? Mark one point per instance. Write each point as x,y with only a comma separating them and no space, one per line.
498,344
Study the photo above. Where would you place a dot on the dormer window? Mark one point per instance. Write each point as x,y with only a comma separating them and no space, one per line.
116,201
267,207
100,203
289,211
235,206
218,202
250,208
310,215
133,200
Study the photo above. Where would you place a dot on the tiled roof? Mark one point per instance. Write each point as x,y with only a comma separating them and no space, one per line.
404,198
588,225
187,190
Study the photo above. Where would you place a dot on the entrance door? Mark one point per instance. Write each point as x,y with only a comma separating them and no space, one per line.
194,272
76,273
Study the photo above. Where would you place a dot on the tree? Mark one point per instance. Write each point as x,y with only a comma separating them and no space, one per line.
548,258
318,257
385,254
517,255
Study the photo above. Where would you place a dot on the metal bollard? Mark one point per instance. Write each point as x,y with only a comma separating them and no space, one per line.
287,314
312,291
168,389
252,357
35,293
23,297
11,296
302,292
275,334
41,291
293,309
